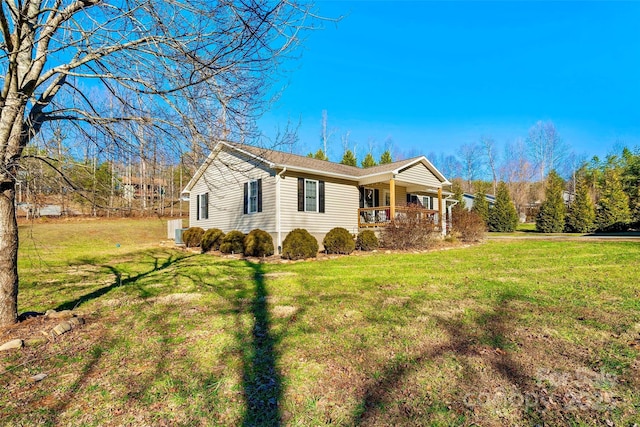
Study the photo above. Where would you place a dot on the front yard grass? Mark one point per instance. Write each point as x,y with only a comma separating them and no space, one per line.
511,332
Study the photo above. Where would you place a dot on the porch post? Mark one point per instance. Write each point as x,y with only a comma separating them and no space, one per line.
392,199
443,221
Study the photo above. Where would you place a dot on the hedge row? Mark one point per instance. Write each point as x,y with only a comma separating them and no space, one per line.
298,244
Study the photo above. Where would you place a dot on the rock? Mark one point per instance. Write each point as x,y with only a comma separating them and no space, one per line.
34,342
64,314
62,328
17,343
76,321
38,377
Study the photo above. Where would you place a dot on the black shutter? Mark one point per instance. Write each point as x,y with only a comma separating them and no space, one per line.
300,194
260,195
321,196
198,206
408,199
376,197
245,204
205,208
361,190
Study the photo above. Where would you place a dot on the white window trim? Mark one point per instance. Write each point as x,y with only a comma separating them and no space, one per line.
254,182
203,208
386,194
316,183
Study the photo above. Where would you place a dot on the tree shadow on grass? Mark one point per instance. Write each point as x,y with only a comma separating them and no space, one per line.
261,380
489,330
159,264
248,300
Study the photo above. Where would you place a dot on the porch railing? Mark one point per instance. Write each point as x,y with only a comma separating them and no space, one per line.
380,216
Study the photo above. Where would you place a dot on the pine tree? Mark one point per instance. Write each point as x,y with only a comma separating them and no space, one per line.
613,205
551,217
581,214
320,155
368,161
458,194
503,216
349,159
481,206
385,158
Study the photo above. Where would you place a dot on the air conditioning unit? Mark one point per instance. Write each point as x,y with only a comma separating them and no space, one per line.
178,238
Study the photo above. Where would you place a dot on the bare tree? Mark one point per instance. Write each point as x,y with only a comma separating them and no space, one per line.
471,157
171,66
546,147
489,147
516,171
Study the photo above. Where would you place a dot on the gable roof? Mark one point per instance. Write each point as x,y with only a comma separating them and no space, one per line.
294,162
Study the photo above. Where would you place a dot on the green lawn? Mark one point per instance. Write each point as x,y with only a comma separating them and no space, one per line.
503,333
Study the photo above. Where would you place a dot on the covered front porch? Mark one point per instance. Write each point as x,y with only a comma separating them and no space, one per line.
380,216
383,202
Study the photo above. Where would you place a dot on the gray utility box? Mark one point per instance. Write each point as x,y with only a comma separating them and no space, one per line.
178,239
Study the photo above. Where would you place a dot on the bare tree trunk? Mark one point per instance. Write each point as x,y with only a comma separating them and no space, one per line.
8,255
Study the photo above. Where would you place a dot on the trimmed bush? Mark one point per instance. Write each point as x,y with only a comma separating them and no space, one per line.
232,243
338,241
367,241
299,244
467,225
211,240
192,237
258,243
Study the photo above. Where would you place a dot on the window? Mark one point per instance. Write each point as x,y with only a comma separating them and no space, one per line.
427,202
252,197
310,195
202,208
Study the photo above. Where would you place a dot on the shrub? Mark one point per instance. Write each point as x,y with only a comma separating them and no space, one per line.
413,228
299,244
232,243
192,237
367,241
211,240
258,243
467,225
338,241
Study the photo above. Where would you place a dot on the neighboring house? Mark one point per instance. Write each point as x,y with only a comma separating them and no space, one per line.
469,200
242,187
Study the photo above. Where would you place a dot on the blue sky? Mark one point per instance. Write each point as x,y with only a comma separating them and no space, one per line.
432,76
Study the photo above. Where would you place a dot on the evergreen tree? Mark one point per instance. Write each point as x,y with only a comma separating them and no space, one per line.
385,158
349,159
319,155
368,161
481,206
503,216
458,195
613,205
581,214
552,213
631,180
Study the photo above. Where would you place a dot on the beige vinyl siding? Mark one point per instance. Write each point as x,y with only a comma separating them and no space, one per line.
224,181
419,174
341,206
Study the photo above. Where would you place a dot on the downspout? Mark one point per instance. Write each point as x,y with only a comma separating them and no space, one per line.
278,224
